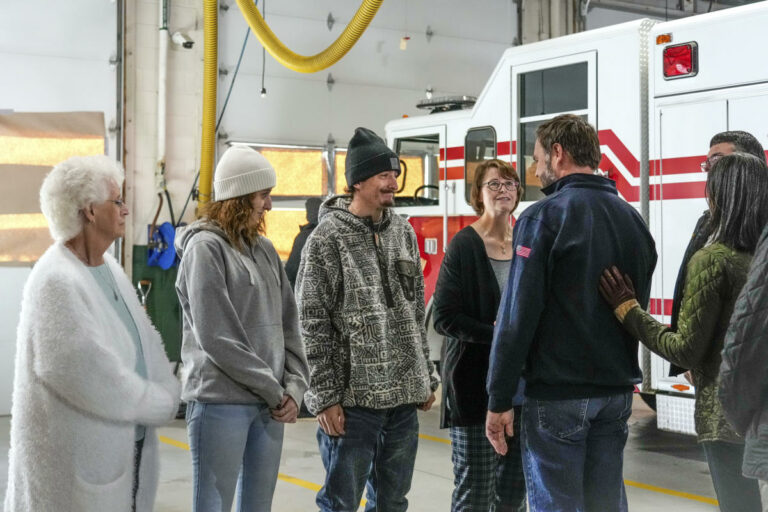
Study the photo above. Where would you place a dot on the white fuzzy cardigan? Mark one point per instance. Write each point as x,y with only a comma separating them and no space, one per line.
77,398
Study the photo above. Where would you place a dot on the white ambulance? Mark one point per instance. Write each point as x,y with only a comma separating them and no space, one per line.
656,92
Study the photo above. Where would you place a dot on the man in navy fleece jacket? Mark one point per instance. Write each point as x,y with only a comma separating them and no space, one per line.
554,329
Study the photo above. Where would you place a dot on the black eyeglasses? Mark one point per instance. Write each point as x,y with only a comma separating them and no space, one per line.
496,185
707,164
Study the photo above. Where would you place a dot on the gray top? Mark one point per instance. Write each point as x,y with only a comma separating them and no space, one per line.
241,341
108,285
501,271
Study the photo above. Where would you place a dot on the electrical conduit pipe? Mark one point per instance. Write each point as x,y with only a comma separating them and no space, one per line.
162,74
320,61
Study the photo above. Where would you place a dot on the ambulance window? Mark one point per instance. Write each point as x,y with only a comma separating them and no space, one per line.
544,94
560,89
479,145
420,165
528,175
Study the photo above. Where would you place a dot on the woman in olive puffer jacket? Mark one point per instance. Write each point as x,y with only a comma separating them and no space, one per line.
737,193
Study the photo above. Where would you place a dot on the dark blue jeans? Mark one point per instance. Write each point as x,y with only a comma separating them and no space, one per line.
379,447
735,493
573,453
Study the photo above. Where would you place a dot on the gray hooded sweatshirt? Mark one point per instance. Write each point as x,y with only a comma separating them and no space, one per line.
361,303
241,342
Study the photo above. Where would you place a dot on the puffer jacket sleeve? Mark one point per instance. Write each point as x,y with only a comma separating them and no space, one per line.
449,298
317,283
700,313
743,377
420,312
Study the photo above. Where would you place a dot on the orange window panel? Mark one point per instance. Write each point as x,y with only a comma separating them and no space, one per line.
282,228
300,172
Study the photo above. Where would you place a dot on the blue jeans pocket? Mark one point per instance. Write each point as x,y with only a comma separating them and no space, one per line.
562,418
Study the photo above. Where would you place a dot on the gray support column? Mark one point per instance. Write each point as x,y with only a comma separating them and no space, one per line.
545,19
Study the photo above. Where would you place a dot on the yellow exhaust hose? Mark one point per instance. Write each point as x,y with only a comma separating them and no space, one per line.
278,50
322,60
210,76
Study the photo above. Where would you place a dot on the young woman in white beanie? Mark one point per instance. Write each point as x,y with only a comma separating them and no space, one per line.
245,371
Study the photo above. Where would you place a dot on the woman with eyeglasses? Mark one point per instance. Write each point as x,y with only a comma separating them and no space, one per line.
469,288
92,379
737,194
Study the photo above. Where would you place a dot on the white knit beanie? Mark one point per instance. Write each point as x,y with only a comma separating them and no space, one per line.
241,171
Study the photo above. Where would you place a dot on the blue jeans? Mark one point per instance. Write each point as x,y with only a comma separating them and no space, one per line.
735,493
573,453
234,448
379,447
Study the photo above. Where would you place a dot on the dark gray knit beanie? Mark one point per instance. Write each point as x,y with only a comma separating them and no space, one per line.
368,155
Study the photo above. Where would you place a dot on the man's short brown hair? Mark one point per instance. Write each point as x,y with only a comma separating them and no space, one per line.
505,170
577,137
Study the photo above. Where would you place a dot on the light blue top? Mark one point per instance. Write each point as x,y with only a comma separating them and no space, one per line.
108,285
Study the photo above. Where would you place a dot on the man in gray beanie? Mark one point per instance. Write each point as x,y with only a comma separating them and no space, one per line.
360,293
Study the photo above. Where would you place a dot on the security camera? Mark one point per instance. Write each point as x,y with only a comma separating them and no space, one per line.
182,39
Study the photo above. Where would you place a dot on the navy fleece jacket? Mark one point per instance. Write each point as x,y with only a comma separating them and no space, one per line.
552,326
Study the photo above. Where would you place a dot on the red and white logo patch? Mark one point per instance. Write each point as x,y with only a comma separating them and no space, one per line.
523,251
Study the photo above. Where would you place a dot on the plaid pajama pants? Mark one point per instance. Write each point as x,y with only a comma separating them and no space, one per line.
483,480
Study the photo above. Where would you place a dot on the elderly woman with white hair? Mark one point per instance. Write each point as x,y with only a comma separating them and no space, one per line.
92,378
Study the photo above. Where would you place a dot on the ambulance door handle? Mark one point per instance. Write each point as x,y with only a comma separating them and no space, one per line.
450,192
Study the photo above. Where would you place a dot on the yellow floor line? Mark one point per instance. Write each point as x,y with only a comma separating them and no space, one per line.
285,478
290,479
639,485
315,487
435,439
679,494
173,442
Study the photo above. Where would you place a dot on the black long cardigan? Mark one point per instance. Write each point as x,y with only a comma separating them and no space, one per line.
466,299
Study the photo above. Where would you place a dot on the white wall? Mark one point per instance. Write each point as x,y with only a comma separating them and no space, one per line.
54,56
12,280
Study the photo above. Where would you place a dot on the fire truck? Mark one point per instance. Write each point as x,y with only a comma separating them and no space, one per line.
655,91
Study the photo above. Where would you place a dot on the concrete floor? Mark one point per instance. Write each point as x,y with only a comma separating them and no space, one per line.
662,471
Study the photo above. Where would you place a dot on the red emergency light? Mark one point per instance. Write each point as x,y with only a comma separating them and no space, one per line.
681,60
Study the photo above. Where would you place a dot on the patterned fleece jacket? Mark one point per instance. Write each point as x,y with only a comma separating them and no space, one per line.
360,294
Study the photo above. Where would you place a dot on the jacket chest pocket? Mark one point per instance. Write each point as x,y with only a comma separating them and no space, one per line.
407,272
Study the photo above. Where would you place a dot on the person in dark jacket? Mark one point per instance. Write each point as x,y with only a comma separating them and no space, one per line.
723,143
292,265
743,376
737,192
472,276
579,365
